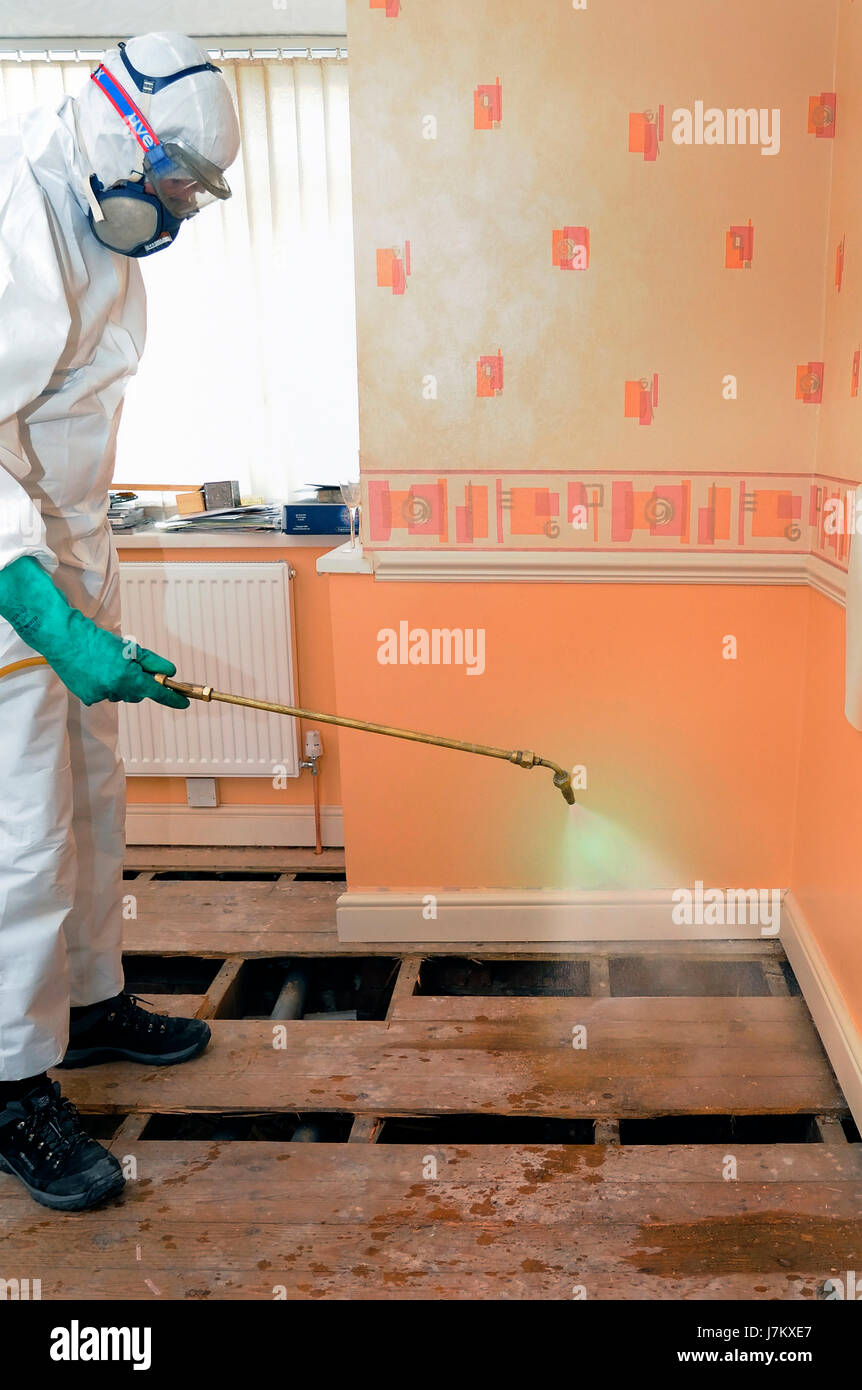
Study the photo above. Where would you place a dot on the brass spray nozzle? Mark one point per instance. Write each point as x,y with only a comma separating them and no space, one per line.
564,782
519,757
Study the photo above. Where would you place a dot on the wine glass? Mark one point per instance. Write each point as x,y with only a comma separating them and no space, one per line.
350,492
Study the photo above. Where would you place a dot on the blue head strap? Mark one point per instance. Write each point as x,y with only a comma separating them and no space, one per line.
148,85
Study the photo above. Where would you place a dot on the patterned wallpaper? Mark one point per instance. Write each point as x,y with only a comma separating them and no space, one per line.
594,252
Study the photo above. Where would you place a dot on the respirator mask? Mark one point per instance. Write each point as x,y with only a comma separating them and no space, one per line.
143,214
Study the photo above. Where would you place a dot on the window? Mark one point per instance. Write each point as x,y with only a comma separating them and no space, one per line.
250,365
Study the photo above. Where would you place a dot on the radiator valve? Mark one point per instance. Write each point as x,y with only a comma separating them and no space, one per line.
313,750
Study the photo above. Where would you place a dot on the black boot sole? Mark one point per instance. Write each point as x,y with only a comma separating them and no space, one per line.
92,1056
99,1192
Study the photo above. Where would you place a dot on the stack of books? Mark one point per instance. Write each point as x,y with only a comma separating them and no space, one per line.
124,511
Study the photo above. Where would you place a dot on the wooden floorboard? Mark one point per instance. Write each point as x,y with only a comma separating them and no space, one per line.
218,857
221,933
644,1057
177,1005
370,1218
497,1222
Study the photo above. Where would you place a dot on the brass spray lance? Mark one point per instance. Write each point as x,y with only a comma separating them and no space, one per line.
519,758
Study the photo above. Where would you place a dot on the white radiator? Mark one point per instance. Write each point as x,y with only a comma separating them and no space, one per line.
226,625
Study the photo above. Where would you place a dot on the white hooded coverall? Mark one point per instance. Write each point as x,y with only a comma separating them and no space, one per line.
72,328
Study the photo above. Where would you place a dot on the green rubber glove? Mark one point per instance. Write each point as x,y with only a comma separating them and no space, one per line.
92,662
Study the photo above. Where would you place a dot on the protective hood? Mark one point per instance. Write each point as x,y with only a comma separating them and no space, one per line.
198,109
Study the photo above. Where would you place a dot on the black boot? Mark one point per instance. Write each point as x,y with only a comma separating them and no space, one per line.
120,1030
43,1145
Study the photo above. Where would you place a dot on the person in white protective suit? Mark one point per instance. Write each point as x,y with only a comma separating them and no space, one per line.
84,193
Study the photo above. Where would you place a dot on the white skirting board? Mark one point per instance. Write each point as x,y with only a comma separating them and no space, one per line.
832,1019
558,916
233,825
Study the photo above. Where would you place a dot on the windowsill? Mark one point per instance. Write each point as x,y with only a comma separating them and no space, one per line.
150,539
345,559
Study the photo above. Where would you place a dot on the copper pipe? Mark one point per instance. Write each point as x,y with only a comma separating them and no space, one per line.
521,758
315,781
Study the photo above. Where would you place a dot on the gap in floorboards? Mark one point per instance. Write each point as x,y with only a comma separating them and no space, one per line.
101,1126
308,1127
790,979
673,976
215,876
169,974
459,975
333,984
486,1129
720,1129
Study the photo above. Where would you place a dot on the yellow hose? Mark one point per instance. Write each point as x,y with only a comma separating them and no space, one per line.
22,665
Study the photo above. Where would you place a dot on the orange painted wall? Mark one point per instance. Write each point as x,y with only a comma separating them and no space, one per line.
827,862
691,759
316,687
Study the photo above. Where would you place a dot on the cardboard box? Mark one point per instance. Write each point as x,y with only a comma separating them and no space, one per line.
190,502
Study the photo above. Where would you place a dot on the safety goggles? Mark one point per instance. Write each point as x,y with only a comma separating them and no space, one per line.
182,179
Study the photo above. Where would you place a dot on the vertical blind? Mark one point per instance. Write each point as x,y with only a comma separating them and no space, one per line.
250,365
